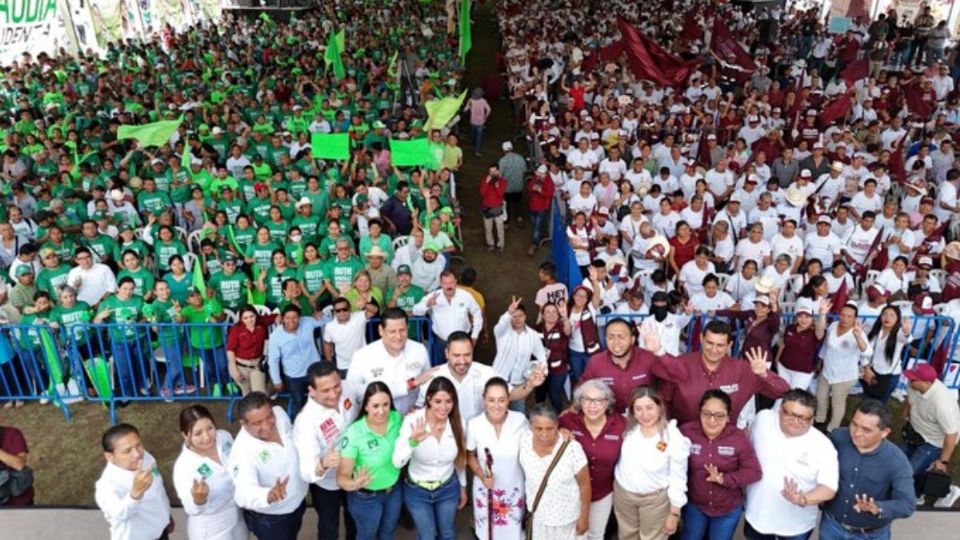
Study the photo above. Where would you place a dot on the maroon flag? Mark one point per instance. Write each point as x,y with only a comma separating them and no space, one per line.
839,297
691,26
855,71
836,109
913,95
729,49
650,61
898,166
606,54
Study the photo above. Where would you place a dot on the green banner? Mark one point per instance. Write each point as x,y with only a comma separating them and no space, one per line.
153,134
334,54
466,33
415,153
330,145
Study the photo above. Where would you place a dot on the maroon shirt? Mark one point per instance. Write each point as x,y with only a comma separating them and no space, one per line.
247,344
800,349
602,452
758,334
12,442
643,368
733,376
557,345
732,454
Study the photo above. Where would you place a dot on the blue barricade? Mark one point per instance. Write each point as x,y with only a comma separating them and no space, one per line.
116,364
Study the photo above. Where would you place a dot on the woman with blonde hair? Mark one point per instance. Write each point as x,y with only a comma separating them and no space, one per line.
650,480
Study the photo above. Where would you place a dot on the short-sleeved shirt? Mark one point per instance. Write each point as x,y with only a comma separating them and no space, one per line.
124,314
12,442
560,503
230,290
934,414
602,451
204,337
374,451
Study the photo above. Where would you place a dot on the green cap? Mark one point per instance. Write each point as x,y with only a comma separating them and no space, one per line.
99,214
24,269
404,269
446,210
432,246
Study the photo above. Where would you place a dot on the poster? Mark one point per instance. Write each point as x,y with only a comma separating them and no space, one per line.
28,26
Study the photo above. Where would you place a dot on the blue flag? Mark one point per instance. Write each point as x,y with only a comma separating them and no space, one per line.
568,272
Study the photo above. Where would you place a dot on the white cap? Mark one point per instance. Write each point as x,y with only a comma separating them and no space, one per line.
507,146
116,194
542,169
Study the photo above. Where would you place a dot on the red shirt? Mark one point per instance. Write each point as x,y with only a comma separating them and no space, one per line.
12,442
733,376
800,349
643,368
732,454
491,192
683,253
247,344
758,334
542,198
602,452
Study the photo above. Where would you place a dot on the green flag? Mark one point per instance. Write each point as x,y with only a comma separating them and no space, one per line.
415,153
334,54
153,134
198,284
266,19
466,33
52,359
331,145
441,111
392,68
186,157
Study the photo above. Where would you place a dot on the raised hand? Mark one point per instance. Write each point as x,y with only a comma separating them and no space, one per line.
514,304
758,361
200,491
650,337
792,493
331,460
142,480
858,329
865,503
713,475
825,306
278,491
420,433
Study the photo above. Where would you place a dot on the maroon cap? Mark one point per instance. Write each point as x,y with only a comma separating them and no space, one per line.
922,372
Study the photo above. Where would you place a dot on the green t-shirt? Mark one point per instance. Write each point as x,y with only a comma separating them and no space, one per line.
308,226
341,272
73,319
137,246
29,338
231,290
156,200
262,254
274,282
408,298
179,287
50,279
164,250
123,314
64,250
312,276
206,337
278,230
259,209
374,451
163,312
101,244
306,310
143,280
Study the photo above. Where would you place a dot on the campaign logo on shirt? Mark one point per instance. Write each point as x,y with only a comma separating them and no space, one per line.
225,450
726,450
730,388
695,449
372,444
264,455
347,404
329,430
376,372
205,471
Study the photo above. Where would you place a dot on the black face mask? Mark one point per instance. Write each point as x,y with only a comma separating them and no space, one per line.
659,312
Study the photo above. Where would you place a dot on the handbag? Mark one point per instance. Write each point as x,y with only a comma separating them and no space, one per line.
528,519
909,436
494,212
934,484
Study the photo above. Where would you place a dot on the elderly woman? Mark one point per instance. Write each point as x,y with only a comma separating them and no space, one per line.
796,359
651,477
557,481
599,431
721,464
363,292
845,349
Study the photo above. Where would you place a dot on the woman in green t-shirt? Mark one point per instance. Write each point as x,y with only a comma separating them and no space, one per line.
74,316
366,471
363,292
260,252
178,279
271,282
142,278
166,247
128,341
312,275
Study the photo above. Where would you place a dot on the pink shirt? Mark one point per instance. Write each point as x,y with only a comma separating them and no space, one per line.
479,111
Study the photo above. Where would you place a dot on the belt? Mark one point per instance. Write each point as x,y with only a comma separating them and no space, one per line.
859,530
249,363
375,491
429,485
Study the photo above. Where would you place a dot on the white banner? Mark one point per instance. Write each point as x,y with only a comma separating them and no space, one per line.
28,26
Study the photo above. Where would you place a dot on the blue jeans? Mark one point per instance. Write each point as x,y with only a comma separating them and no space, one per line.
133,370
437,351
696,524
539,220
578,362
921,457
433,511
476,133
752,534
553,388
274,527
830,529
375,513
214,365
174,360
297,388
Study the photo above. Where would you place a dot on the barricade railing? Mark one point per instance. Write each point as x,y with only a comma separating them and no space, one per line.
935,338
118,364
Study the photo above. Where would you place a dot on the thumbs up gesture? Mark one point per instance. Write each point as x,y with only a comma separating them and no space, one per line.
200,491
142,480
278,491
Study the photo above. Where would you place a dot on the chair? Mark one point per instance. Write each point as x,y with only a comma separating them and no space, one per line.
723,278
940,309
188,260
181,233
905,306
940,274
400,242
264,310
193,240
232,316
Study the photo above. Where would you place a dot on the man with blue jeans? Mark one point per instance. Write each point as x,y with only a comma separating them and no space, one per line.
934,418
876,482
293,347
540,189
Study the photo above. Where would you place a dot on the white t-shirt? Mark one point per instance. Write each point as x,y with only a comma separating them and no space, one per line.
692,276
347,338
747,250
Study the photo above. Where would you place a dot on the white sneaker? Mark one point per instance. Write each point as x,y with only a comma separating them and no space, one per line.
921,500
947,500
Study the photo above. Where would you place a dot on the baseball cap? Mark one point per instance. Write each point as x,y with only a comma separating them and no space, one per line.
922,372
762,299
603,211
925,261
404,269
803,310
542,169
24,270
875,292
259,185
924,304
806,173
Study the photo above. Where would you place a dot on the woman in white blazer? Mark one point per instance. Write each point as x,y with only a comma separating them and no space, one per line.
202,481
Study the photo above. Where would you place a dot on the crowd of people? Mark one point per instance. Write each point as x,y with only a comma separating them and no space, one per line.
781,226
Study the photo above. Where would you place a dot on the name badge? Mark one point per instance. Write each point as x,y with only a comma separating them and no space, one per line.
640,376
611,437
730,388
726,450
205,471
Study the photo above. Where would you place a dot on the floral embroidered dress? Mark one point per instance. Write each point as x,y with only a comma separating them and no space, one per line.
508,502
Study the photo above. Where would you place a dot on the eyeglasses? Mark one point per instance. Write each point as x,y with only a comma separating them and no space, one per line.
709,415
341,310
803,419
592,401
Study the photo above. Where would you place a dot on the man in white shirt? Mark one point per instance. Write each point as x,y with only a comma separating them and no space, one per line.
398,362
822,244
130,490
266,470
451,309
947,204
344,335
614,165
582,156
93,281
800,470
860,240
332,405
470,378
519,348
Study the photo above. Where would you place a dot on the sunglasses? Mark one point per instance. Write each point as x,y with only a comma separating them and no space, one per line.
341,310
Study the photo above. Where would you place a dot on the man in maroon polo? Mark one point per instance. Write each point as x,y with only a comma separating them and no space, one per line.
623,366
713,367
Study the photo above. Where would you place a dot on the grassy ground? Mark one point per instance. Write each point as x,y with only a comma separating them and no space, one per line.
66,455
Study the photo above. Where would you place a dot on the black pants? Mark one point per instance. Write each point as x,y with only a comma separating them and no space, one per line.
515,207
327,504
274,527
